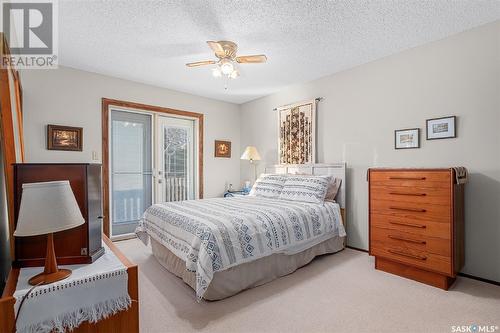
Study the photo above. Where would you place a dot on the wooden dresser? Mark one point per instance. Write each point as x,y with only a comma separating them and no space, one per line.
417,223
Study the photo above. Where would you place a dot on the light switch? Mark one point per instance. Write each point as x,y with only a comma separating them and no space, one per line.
94,156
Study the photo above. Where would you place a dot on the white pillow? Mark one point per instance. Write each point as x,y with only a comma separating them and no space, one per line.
268,186
305,188
333,186
333,189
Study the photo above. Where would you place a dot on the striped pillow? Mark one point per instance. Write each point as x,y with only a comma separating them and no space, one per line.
305,188
268,186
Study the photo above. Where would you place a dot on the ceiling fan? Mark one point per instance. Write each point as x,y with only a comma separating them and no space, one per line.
226,65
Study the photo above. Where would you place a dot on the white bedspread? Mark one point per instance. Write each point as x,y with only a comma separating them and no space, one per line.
212,235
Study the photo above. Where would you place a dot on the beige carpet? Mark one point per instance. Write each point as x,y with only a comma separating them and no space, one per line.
335,293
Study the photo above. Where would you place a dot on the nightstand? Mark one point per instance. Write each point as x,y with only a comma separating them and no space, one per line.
229,194
125,320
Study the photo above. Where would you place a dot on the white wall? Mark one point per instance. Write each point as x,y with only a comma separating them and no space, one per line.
72,97
363,106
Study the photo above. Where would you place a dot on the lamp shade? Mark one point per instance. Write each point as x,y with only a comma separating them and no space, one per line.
46,208
251,153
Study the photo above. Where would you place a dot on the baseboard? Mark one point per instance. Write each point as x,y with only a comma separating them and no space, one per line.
356,248
496,283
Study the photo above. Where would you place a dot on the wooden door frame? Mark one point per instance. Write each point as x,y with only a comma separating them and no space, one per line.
106,103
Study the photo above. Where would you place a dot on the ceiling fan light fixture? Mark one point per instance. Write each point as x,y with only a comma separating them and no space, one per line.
227,62
234,74
216,72
226,66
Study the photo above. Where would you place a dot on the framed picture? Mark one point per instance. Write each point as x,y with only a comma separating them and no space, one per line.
64,138
441,128
297,133
222,148
407,138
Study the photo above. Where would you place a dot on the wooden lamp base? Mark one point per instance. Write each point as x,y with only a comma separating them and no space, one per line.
50,273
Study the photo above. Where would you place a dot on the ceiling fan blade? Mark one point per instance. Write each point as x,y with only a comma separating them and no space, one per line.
251,59
216,47
201,63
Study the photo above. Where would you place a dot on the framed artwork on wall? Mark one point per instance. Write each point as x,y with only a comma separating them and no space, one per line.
407,138
441,128
297,133
222,148
64,138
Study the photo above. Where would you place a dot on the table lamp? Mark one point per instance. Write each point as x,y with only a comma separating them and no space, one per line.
251,154
46,208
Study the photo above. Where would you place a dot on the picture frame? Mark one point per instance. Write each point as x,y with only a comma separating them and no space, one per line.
222,149
64,138
408,138
297,132
441,128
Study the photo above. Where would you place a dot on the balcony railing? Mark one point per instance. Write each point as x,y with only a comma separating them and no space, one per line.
128,205
176,189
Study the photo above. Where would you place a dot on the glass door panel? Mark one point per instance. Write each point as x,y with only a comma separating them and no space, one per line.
131,169
176,179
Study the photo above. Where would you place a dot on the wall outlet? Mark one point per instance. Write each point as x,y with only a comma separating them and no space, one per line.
95,157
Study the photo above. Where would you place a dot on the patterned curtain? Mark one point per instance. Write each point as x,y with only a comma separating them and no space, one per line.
297,141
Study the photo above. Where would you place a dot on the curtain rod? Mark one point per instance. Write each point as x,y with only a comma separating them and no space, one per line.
317,99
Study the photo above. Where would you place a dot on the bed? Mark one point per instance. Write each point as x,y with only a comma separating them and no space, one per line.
221,246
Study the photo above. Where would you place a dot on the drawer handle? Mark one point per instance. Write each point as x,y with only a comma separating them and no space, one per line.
406,193
410,240
405,254
414,225
407,178
419,210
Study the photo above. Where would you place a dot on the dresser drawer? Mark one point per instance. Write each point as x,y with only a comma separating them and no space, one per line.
410,242
420,259
433,179
410,210
426,195
425,228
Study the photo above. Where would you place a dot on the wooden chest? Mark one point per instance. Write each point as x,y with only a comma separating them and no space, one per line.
80,245
417,223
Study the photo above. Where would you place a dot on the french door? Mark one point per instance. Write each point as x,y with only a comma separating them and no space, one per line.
175,165
131,169
152,159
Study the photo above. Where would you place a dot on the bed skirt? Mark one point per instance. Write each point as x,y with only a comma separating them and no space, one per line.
248,275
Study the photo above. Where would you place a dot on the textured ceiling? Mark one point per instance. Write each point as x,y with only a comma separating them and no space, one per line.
150,41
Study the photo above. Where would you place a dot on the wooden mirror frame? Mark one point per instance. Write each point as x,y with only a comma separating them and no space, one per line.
9,108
